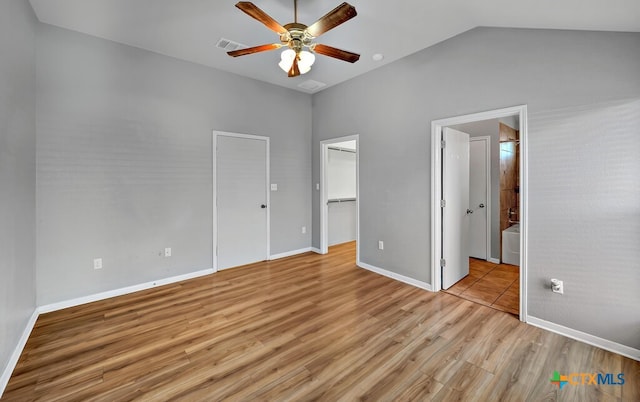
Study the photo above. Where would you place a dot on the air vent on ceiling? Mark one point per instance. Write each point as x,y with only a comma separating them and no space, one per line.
311,85
229,45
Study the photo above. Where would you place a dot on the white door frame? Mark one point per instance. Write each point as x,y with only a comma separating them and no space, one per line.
436,191
324,208
214,145
487,139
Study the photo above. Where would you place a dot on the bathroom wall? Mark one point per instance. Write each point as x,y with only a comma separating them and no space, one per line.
509,177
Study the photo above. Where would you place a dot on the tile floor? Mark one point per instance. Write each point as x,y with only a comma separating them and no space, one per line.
493,285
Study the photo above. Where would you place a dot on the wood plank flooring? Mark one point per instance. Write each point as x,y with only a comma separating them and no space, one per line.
493,285
307,327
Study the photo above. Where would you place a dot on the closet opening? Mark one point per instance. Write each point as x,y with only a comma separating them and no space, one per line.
339,210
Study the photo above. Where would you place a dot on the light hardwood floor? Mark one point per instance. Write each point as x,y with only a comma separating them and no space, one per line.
307,327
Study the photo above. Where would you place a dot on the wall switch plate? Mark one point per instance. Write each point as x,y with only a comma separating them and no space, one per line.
317,186
97,263
167,252
274,187
380,245
304,229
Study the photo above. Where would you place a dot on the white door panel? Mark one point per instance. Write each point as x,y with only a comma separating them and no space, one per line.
241,189
455,220
478,198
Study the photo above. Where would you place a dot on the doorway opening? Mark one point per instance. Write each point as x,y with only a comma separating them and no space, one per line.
449,228
339,194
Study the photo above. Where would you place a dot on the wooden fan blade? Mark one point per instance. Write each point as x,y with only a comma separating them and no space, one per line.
294,71
335,53
344,12
255,49
253,11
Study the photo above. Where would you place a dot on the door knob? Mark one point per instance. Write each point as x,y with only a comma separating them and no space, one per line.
263,206
481,205
469,211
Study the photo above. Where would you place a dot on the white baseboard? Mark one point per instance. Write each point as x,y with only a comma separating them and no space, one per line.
119,292
493,260
290,253
393,275
15,356
586,338
316,250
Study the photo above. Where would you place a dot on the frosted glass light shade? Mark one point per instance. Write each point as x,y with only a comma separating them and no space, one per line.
306,61
286,59
304,64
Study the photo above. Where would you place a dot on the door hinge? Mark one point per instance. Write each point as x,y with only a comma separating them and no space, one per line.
443,144
443,262
443,203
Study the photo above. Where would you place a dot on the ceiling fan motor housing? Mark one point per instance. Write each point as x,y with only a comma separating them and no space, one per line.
296,36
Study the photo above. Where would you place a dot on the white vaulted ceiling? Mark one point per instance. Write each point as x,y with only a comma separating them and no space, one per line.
190,29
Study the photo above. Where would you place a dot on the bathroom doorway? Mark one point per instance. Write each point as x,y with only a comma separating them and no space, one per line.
497,140
339,212
490,280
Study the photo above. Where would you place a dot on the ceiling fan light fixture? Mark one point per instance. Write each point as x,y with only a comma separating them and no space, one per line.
305,61
297,36
286,59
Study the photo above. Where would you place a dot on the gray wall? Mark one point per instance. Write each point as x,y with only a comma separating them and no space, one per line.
17,172
584,222
124,162
342,222
483,69
491,128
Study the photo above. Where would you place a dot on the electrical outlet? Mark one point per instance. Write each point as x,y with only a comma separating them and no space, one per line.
380,245
167,252
557,286
274,187
97,263
304,230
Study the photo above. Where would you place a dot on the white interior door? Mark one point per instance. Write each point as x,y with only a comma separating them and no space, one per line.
478,197
455,216
241,200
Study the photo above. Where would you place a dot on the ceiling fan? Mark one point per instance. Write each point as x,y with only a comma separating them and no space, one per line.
297,37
